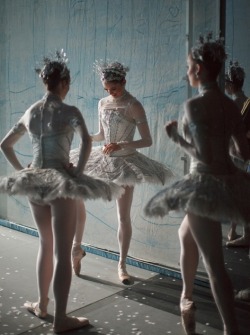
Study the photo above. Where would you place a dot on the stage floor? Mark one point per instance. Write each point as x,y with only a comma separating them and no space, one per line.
148,307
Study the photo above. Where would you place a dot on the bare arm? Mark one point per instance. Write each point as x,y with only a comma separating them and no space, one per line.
246,122
171,128
8,143
199,147
98,137
85,145
142,125
240,142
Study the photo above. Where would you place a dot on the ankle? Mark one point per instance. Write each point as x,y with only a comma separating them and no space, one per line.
43,303
186,298
59,319
187,304
78,252
76,246
122,263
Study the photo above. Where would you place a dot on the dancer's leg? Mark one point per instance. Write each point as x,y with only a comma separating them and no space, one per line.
80,223
77,252
242,241
208,236
64,224
63,213
42,218
124,230
124,222
232,234
189,259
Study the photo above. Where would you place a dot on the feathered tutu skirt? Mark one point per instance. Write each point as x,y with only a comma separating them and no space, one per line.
220,198
126,170
46,185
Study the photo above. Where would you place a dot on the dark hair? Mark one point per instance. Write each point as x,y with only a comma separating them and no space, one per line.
238,84
53,73
235,74
210,53
54,69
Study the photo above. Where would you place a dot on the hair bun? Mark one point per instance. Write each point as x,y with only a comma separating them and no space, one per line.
53,62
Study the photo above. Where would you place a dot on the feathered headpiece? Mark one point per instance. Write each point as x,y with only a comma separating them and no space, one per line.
235,73
55,61
208,50
110,71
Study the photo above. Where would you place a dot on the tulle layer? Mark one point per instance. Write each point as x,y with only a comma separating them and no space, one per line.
124,170
45,185
220,198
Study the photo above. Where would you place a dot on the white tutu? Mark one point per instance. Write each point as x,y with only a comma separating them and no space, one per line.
128,170
221,198
45,185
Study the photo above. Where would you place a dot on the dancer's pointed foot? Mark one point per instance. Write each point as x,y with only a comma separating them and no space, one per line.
232,235
188,308
69,323
243,242
37,308
243,295
77,254
123,275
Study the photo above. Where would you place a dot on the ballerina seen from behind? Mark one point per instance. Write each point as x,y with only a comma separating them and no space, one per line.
212,191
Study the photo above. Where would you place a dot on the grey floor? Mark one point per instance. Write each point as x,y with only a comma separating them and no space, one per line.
149,306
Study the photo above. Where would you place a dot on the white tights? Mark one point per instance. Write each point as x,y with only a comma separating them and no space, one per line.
124,232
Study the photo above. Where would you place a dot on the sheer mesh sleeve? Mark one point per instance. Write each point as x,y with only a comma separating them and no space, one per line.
18,128
76,120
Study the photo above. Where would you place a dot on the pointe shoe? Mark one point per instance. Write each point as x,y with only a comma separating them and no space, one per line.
243,242
77,256
70,323
232,235
243,295
35,308
124,277
188,308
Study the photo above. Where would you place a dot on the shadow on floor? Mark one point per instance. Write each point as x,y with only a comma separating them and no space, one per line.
148,307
